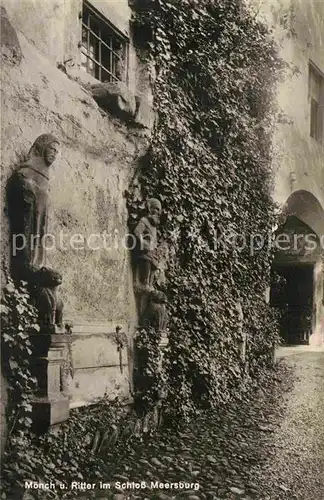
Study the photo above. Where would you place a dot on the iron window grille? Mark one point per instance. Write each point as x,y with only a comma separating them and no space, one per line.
104,49
316,97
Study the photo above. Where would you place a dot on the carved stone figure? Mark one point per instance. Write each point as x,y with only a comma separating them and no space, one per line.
155,314
48,302
151,302
146,235
27,204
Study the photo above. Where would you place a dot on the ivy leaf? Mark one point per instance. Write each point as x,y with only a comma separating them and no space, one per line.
7,338
4,309
10,288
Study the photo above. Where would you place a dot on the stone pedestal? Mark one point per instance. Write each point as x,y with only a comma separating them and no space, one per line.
50,406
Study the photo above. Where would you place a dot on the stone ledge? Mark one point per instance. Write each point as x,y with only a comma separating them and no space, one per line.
127,402
107,328
116,98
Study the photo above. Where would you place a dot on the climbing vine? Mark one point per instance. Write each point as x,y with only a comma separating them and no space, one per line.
210,165
18,320
81,449
149,378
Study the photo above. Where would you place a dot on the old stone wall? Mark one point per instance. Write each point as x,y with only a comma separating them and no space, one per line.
298,28
99,154
303,155
300,158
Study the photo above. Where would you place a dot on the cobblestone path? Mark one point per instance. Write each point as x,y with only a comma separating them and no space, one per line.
299,441
268,446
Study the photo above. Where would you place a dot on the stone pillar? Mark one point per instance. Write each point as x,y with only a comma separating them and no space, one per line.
50,406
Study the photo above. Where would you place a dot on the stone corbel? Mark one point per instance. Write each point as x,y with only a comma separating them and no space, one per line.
116,98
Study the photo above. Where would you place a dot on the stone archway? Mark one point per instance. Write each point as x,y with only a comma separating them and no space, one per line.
306,207
299,266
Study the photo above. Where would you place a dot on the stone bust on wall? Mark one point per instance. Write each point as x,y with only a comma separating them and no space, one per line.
27,207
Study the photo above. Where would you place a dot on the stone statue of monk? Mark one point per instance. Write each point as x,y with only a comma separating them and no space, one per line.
27,205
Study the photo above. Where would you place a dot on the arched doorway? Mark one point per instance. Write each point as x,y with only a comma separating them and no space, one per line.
297,288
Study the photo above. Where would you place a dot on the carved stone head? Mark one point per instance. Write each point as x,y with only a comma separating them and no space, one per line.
154,209
46,147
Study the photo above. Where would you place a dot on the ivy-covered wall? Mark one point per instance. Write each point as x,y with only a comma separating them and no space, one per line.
210,163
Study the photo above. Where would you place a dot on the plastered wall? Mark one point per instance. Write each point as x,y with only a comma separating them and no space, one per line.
299,30
298,27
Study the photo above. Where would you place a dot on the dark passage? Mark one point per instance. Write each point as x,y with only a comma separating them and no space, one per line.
295,300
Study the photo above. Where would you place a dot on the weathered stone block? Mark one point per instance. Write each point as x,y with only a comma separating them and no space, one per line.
116,98
145,115
10,46
91,384
48,411
99,367
95,350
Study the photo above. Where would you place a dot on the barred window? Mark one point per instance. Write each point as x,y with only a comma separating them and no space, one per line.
316,97
104,49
